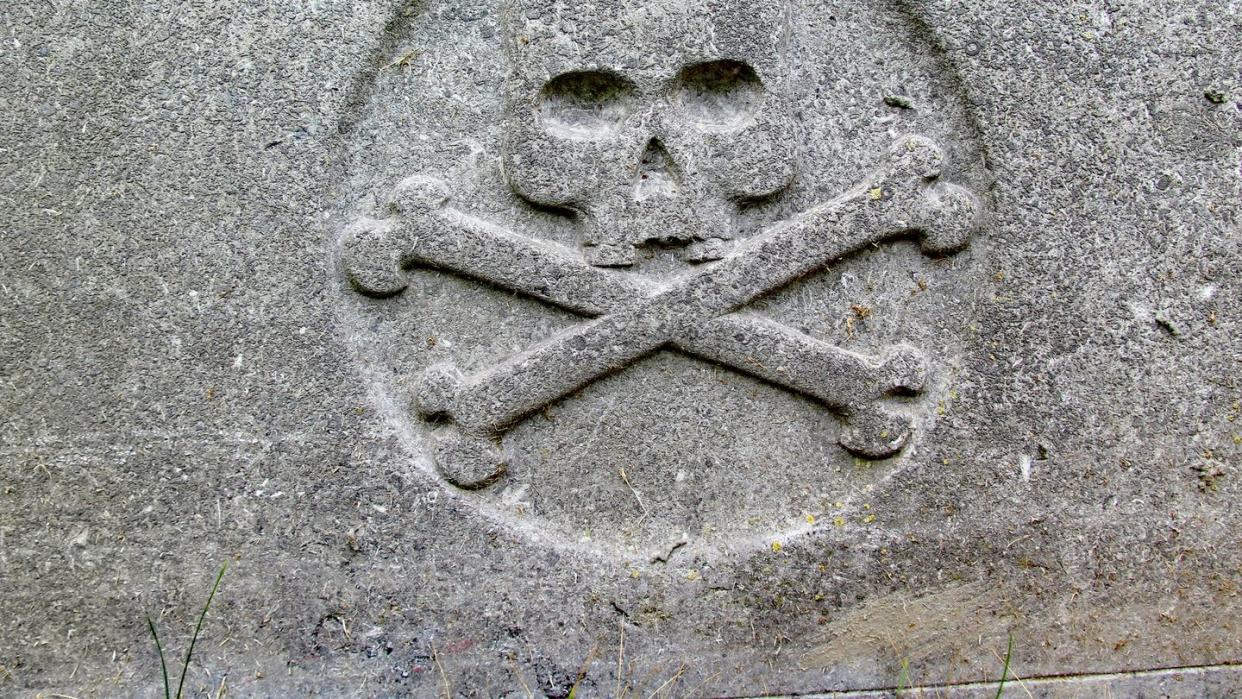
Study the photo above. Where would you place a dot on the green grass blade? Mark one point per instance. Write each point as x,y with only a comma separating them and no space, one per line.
194,639
903,677
1005,672
160,650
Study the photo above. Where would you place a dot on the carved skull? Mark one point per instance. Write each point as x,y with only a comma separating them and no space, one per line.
648,119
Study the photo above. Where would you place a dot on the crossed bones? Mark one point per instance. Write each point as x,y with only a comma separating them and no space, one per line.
696,312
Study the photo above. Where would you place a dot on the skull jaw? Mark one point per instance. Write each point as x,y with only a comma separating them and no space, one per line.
624,255
701,226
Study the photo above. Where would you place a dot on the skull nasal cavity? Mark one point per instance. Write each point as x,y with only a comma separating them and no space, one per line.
657,174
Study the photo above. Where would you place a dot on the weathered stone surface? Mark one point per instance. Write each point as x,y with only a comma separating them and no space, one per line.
686,348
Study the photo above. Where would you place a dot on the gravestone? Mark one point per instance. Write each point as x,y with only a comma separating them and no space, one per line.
619,348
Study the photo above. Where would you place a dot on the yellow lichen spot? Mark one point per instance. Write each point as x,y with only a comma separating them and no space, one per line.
1237,439
952,394
635,574
866,506
838,504
692,575
776,547
940,409
868,519
819,597
876,193
838,521
810,519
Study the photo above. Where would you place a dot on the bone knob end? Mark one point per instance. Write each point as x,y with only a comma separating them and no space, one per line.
438,389
467,461
903,370
918,156
948,217
418,194
874,433
372,258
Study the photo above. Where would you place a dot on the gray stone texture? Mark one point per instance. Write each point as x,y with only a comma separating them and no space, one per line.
488,342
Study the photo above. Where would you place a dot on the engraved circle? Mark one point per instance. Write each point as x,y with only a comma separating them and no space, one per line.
669,366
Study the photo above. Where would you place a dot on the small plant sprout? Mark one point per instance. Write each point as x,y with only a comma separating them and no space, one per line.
1000,688
193,639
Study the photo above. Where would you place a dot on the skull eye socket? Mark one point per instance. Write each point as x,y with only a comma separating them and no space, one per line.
586,104
719,95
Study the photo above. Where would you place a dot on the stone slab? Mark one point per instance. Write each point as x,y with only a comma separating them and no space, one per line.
681,349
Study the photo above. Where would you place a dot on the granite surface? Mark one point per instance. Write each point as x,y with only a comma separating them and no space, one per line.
673,348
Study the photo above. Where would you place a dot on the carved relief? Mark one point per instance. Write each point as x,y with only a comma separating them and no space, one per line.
716,131
655,129
697,312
